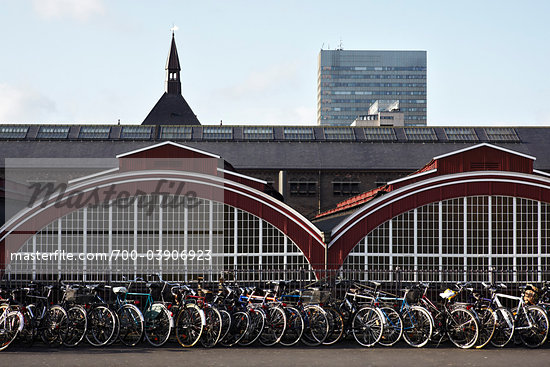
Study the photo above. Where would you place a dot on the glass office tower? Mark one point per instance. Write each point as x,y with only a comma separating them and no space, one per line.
350,81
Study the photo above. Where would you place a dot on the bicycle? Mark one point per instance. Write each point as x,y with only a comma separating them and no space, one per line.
529,320
190,319
363,321
456,323
48,322
77,322
11,322
157,320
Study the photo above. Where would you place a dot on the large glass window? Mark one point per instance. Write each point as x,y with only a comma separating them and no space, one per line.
298,133
479,238
258,133
53,132
162,234
136,132
13,132
94,132
501,134
217,132
339,133
176,132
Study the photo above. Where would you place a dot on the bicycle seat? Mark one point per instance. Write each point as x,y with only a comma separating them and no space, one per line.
376,284
120,290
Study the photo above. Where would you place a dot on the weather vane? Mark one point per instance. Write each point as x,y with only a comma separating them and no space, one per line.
174,28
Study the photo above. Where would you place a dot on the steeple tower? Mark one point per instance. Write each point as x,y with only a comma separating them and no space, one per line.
173,84
172,108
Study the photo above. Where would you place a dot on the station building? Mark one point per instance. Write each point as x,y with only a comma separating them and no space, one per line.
276,202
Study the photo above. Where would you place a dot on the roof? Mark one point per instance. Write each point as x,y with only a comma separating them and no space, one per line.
274,151
480,157
171,109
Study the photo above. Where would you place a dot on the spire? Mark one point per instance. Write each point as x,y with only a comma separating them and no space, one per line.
172,108
173,84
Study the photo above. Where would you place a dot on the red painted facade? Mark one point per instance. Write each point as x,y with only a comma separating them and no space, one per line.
480,170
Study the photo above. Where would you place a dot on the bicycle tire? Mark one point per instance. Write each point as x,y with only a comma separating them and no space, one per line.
77,326
274,328
462,328
537,334
226,323
28,334
367,326
189,325
393,327
54,325
336,326
487,320
116,333
256,326
294,327
158,324
316,325
131,325
239,327
11,323
101,326
504,328
417,326
213,328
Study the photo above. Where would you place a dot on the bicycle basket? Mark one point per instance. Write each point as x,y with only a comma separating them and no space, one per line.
70,295
531,295
315,296
413,296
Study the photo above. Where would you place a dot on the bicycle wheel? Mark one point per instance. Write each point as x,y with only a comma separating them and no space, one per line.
367,326
487,321
213,328
239,327
504,328
275,325
116,333
316,325
158,324
28,334
294,327
11,323
393,327
131,325
255,328
226,323
77,325
101,326
535,335
417,326
54,325
189,325
336,326
462,328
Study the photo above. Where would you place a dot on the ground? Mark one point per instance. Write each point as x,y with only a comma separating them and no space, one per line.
347,354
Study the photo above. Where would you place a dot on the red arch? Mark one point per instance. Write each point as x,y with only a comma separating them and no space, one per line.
304,234
354,228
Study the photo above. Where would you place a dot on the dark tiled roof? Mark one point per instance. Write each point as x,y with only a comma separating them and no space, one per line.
277,153
171,109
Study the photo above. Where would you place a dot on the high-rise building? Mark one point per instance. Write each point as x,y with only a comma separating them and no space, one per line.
350,81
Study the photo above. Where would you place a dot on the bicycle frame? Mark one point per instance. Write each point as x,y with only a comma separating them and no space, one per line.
520,308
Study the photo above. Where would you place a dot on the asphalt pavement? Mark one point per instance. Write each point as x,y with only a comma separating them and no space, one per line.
346,354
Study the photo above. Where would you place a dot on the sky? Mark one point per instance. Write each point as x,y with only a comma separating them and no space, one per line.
255,62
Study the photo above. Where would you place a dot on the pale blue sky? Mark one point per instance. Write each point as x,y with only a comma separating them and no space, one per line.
255,62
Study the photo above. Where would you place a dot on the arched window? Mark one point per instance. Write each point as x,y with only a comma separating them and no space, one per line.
473,238
159,234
